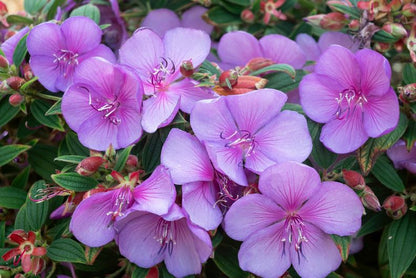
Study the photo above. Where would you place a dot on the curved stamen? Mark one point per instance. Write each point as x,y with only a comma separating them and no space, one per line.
108,108
165,68
294,234
165,235
347,101
242,139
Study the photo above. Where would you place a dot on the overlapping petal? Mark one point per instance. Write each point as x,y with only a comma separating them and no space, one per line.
237,48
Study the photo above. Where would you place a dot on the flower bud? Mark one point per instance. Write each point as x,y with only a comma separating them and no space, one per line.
15,82
3,9
354,25
409,10
4,64
132,163
16,99
257,64
395,29
89,165
187,68
382,46
247,16
27,72
251,82
395,206
395,5
333,21
370,200
110,153
37,264
228,79
407,93
353,179
315,19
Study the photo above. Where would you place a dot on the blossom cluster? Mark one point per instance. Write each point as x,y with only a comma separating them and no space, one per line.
236,155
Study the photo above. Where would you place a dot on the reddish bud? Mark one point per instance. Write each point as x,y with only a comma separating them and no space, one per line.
132,163
117,176
153,273
354,25
228,79
382,46
353,179
370,200
333,21
395,206
4,64
16,99
187,68
257,64
89,165
247,16
315,19
407,93
27,72
3,9
395,29
15,82
395,5
251,82
409,10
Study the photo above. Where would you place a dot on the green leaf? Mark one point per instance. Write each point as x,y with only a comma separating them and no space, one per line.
88,10
232,8
33,6
401,244
37,213
104,26
343,244
74,182
2,233
353,12
12,197
122,158
293,107
283,82
18,19
207,67
410,134
152,149
41,158
409,74
383,258
374,223
66,250
9,152
226,259
20,51
39,109
321,155
52,8
55,109
374,147
240,2
75,159
27,85
20,181
21,219
74,146
383,36
7,111
139,272
288,69
387,175
218,16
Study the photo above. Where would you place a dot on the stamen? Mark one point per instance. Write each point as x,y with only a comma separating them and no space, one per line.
165,235
109,108
294,233
66,60
165,68
241,139
121,202
347,101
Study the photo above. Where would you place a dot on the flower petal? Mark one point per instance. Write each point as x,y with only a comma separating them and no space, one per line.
90,223
192,18
186,158
100,51
318,97
340,64
346,135
237,48
250,214
264,254
329,38
159,110
160,21
36,40
285,138
381,114
136,238
199,201
157,193
282,50
46,70
309,47
319,255
334,208
81,33
289,184
400,156
251,111
257,161
10,44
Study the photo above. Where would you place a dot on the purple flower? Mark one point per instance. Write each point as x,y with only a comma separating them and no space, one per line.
158,62
56,51
350,94
9,45
162,20
93,219
290,221
206,193
103,105
401,157
238,48
147,239
249,131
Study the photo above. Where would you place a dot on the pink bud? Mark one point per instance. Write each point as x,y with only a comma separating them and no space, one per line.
396,29
247,16
132,163
395,206
4,64
16,99
382,46
370,199
3,9
407,93
228,79
187,68
353,179
409,10
257,63
27,72
354,25
315,19
89,165
15,82
333,21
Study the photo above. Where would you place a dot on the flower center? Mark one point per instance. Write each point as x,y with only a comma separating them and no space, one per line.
161,72
107,107
241,139
228,191
26,247
66,60
165,235
121,200
294,233
348,101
